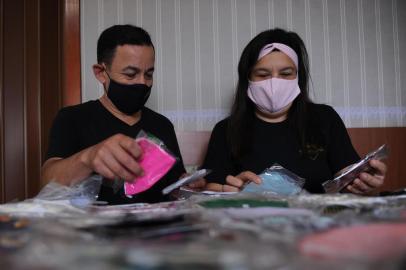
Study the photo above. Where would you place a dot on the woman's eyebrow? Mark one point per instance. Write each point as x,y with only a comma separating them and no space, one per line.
261,69
287,68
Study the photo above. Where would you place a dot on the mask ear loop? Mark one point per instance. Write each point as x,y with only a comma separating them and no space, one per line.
105,70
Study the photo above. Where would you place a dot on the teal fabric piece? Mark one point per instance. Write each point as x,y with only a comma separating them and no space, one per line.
274,182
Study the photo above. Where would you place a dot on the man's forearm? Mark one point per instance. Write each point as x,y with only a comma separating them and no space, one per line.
65,171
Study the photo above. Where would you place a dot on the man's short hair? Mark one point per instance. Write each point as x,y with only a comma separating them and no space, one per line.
119,35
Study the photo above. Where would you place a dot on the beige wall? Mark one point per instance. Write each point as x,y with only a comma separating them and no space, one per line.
357,52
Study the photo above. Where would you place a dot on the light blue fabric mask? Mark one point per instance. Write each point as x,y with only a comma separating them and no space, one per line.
277,180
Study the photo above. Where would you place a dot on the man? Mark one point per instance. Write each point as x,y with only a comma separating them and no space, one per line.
98,136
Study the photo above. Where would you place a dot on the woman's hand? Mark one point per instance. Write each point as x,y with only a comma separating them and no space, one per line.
233,183
198,185
368,182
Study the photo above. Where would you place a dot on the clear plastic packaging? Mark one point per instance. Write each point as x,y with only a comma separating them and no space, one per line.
347,176
56,200
270,234
277,180
186,192
81,194
186,180
156,161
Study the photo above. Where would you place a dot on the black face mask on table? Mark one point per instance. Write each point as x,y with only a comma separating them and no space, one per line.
128,98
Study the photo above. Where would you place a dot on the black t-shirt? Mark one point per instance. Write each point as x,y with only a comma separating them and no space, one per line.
278,143
81,126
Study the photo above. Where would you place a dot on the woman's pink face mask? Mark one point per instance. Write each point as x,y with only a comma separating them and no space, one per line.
274,94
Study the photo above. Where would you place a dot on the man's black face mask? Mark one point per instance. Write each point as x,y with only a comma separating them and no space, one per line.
128,98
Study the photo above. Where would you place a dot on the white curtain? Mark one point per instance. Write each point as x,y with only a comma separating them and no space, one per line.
357,52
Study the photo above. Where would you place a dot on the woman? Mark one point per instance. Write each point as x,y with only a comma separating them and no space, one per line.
273,120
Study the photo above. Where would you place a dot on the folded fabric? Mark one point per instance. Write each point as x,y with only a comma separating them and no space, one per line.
155,162
370,241
277,180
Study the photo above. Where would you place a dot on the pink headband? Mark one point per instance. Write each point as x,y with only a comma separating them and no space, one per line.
283,48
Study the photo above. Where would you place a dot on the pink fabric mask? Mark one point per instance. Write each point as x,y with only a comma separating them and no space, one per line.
272,95
155,162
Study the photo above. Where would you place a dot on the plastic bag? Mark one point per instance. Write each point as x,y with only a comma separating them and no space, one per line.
349,175
186,180
156,161
277,180
86,192
81,194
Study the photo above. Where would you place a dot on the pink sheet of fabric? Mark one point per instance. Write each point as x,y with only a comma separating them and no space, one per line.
370,242
155,162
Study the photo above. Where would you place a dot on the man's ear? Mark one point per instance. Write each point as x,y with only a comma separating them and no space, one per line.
99,73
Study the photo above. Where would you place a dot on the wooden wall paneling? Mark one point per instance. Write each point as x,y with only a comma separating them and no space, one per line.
32,97
13,100
367,139
193,146
31,85
50,65
71,75
2,177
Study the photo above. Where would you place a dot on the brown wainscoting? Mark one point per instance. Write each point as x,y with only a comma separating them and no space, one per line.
71,76
193,146
367,139
50,65
2,175
13,99
32,98
35,83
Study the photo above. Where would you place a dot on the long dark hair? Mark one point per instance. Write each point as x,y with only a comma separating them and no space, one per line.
243,109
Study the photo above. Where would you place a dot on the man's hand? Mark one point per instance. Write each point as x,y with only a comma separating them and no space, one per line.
114,158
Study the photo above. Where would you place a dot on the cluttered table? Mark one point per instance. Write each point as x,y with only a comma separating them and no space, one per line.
205,231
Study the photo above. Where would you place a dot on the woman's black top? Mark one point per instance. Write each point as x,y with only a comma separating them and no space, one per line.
278,143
